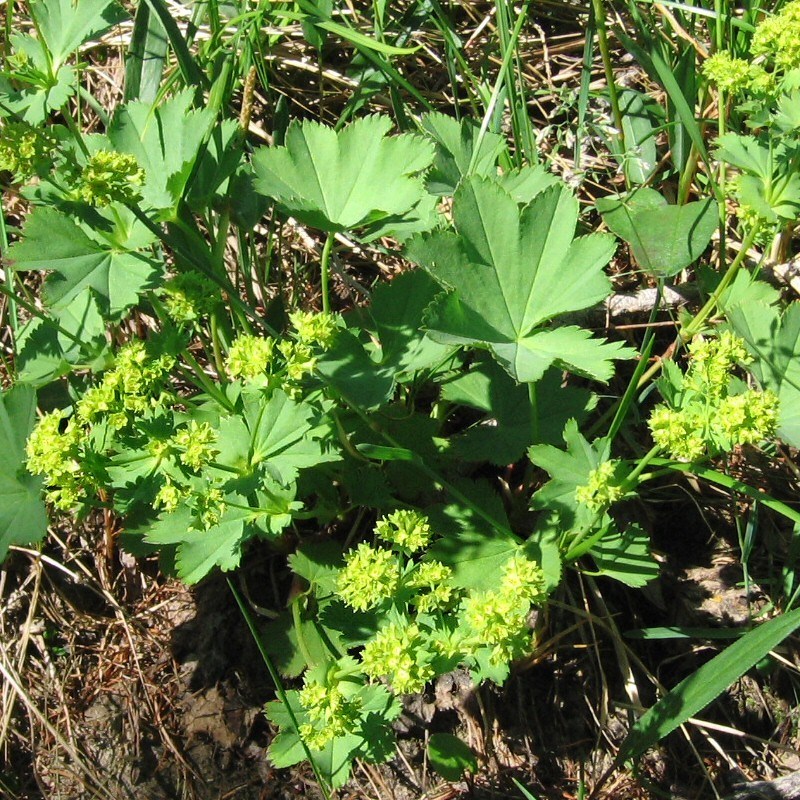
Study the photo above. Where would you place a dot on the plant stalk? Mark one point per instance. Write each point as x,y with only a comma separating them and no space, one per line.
608,68
279,690
325,272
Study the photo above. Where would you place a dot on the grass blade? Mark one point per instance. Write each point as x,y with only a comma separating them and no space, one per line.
148,51
720,479
694,693
191,72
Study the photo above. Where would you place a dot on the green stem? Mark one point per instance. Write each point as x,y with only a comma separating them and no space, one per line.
687,176
204,265
326,255
76,132
633,478
619,410
9,273
221,239
230,470
421,465
727,279
705,312
94,104
298,630
580,544
721,177
210,388
719,26
279,690
608,68
719,478
534,412
216,349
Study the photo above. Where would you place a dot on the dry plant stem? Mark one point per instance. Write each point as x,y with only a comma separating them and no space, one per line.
122,618
9,698
77,759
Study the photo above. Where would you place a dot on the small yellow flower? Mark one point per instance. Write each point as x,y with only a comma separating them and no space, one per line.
315,329
398,653
196,441
368,577
408,529
250,356
600,491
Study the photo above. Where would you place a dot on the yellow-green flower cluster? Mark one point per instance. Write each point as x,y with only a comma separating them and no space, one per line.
680,431
169,496
299,357
748,418
751,217
408,529
97,401
332,714
109,177
196,441
190,296
707,415
25,150
398,653
498,618
436,591
369,576
601,490
211,506
250,357
314,329
729,74
713,359
131,387
777,38
54,454
523,577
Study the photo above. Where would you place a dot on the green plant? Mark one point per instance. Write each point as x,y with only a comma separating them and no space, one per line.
184,391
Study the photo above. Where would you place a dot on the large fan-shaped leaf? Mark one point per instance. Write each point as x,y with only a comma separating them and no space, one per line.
116,276
199,551
342,180
165,139
513,270
66,24
23,519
